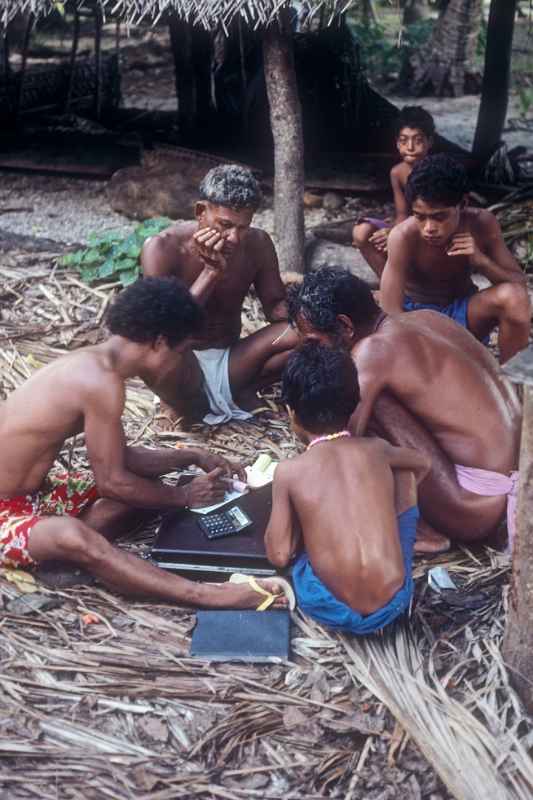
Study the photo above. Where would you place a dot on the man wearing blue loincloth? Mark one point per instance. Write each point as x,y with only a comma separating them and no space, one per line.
349,502
433,253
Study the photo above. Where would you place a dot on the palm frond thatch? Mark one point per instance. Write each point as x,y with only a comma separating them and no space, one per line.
210,14
461,739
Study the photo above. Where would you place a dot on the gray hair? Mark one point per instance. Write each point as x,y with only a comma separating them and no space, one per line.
231,186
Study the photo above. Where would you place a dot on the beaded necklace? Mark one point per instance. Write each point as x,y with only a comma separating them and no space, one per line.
327,438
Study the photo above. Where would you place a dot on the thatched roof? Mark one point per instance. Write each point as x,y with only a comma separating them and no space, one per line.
210,14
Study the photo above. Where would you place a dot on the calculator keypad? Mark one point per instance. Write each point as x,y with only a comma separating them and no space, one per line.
216,526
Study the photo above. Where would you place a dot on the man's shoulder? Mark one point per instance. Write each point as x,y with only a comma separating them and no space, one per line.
405,233
258,237
400,172
377,349
287,468
177,233
480,220
94,374
288,474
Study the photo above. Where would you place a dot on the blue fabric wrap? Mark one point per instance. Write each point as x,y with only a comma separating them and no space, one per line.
318,602
458,310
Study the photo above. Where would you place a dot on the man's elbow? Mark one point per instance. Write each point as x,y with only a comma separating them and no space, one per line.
279,558
147,255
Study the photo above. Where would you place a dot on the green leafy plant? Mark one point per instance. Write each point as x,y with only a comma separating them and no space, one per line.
112,256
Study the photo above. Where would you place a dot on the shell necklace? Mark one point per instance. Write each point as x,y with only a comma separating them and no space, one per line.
327,438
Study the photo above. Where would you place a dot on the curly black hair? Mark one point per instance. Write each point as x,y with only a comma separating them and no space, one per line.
415,117
437,179
320,385
328,292
153,307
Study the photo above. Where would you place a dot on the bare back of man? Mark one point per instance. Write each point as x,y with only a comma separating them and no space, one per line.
44,412
355,511
351,502
425,383
468,413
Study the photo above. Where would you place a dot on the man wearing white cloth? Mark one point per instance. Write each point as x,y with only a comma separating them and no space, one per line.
220,256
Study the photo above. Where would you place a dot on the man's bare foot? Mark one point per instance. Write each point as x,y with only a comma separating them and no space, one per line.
429,541
243,595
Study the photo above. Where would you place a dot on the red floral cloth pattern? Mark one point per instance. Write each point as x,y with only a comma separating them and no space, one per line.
63,494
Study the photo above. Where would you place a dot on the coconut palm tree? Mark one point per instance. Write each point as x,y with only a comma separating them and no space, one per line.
496,77
444,65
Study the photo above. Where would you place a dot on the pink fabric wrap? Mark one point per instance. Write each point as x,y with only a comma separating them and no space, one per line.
492,484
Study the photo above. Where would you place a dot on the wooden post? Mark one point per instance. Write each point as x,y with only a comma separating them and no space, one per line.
180,38
72,61
98,24
201,57
22,74
5,65
518,639
496,78
286,124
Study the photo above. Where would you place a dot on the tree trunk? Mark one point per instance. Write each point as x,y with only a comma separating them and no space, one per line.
496,78
369,13
444,65
518,640
414,11
286,124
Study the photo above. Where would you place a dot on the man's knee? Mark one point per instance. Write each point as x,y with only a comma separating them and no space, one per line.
513,302
79,543
361,233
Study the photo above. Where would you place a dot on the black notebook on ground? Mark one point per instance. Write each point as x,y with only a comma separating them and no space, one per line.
182,546
253,636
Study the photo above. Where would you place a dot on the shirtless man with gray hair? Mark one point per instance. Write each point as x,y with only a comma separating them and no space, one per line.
220,256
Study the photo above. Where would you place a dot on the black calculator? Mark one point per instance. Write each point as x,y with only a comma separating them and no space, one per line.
226,523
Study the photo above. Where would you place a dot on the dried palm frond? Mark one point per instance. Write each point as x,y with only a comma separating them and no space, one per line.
210,14
463,744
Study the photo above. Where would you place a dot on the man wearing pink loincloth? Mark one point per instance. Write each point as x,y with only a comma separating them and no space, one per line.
430,385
